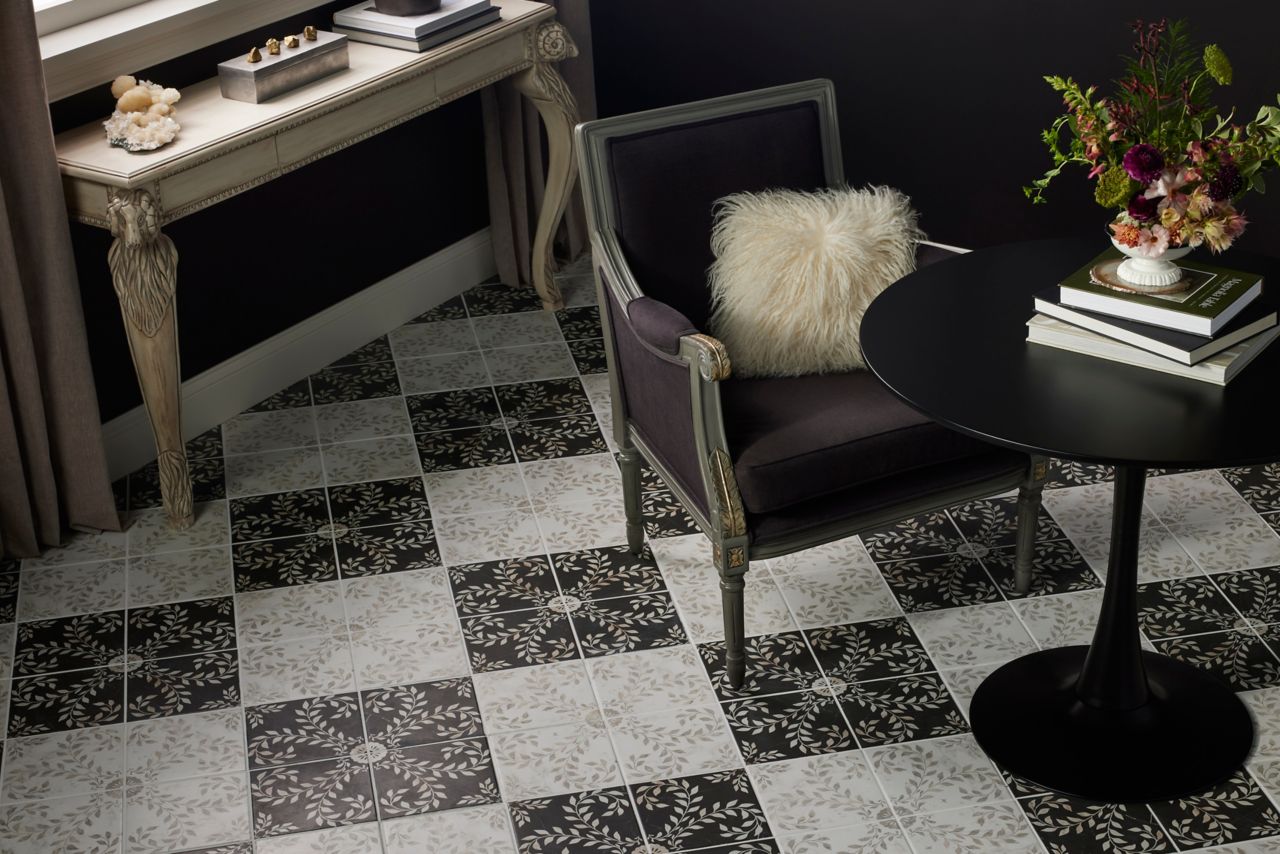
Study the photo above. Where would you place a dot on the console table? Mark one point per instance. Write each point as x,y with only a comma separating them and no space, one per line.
227,147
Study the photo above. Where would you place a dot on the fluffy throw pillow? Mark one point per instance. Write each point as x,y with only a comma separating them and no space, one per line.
795,271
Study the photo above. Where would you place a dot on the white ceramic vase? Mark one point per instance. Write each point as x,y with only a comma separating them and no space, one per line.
1144,273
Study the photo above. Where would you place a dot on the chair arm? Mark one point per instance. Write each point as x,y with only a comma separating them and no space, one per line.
658,324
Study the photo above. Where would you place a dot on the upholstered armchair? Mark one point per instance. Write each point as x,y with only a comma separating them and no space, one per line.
766,466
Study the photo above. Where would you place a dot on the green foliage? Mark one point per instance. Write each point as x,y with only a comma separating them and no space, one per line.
1114,189
1217,64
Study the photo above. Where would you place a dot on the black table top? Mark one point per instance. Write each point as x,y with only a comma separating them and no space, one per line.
950,340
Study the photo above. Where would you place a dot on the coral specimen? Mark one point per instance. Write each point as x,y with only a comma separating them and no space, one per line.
144,118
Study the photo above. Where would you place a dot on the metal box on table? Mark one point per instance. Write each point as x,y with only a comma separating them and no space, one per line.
275,74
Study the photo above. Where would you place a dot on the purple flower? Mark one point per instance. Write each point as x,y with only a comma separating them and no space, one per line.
1143,209
1143,163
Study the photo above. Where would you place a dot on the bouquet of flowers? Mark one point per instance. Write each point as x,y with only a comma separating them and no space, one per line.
1173,174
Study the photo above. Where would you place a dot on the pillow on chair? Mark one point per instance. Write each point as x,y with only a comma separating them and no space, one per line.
795,271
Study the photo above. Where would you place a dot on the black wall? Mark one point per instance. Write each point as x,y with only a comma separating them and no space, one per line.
258,263
942,99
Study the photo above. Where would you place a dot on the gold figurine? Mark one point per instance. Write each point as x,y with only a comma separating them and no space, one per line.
273,46
290,41
309,33
255,55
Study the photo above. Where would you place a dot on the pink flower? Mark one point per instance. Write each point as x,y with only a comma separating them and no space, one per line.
1152,242
1097,170
1196,152
1235,223
1170,181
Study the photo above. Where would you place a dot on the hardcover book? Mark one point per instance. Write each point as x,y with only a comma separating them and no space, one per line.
363,16
1220,369
1182,347
1216,295
439,37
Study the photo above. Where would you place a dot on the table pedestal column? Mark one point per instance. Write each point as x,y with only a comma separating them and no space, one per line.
1110,722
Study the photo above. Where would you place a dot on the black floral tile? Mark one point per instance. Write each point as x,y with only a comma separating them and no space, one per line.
993,522
1069,825
379,502
69,643
8,596
775,663
940,581
700,811
919,536
431,777
871,650
484,300
451,309
386,548
588,356
1273,519
502,585
1072,473
1233,811
68,700
755,846
1057,567
280,514
553,438
605,572
579,322
377,350
423,713
266,564
303,730
518,639
1255,592
665,516
1239,658
787,726
1259,485
1183,606
627,624
182,628
544,399
208,483
598,820
650,480
293,798
207,444
178,686
355,382
290,397
903,708
450,410
471,447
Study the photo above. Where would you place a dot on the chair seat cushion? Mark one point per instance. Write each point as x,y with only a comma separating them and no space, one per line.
795,439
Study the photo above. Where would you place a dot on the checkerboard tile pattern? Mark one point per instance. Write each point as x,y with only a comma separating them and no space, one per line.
405,621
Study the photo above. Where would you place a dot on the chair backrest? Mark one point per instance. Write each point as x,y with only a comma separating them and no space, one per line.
651,179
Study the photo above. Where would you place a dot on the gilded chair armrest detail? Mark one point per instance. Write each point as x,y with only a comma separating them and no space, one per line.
709,365
713,359
733,520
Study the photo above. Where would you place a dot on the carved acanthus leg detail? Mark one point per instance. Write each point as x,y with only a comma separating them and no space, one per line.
543,85
144,270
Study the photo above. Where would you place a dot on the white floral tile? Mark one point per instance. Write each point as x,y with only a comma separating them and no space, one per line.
362,419
290,670
488,536
1229,543
82,588
1265,706
281,613
269,431
837,595
848,555
353,839
179,576
964,681
530,697
882,838
442,373
978,634
517,330
1194,498
60,764
937,774
540,763
420,596
81,547
8,633
273,471
674,743
981,830
572,526
651,680
150,531
593,477
526,364
408,654
183,814
464,492
416,340
80,823
597,389
817,792
695,586
185,746
371,459
471,830
1065,620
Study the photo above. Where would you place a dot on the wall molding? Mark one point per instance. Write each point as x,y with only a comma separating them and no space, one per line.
211,397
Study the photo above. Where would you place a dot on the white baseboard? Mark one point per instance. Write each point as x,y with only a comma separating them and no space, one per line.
227,389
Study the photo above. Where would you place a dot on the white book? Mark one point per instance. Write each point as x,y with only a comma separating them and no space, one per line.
1218,370
363,16
426,42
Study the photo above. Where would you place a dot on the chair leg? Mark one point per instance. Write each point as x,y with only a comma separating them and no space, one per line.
1028,513
629,463
731,561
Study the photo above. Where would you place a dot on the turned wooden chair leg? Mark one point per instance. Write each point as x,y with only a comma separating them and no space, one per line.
1028,514
629,463
731,561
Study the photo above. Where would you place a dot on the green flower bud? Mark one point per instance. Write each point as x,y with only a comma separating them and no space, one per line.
1114,189
1217,64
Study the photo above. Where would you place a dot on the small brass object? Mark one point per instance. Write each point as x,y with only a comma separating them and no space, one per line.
255,55
309,33
273,47
290,41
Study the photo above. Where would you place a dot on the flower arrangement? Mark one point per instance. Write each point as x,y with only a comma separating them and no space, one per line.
1173,174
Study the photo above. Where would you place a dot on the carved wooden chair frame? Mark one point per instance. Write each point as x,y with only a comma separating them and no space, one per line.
709,364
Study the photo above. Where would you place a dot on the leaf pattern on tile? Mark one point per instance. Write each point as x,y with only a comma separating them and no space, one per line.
180,814
665,516
449,410
64,763
266,564
600,820
62,701
379,502
518,638
356,382
939,581
412,780
303,730
502,585
68,643
484,300
281,514
175,686
1256,592
784,726
387,548
1072,473
450,309
469,447
589,356
208,482
290,397
1240,658
1067,824
377,350
1183,606
550,438
612,571
919,536
8,596
901,709
322,794
182,628
543,399
627,624
698,811
775,663
1233,811
580,322
870,650
423,713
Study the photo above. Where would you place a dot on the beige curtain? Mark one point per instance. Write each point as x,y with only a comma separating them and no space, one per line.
53,470
516,166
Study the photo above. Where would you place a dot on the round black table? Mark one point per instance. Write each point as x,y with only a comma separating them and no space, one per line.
1109,721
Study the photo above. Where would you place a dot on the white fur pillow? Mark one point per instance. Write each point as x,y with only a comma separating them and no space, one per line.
795,271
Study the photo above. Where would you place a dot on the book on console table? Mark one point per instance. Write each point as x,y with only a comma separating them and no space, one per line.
1182,347
1219,369
364,17
1215,296
435,39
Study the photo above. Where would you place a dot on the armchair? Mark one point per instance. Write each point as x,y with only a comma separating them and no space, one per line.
766,466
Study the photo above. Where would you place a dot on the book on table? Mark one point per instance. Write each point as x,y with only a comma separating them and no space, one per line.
1183,347
435,39
1215,296
1218,369
366,18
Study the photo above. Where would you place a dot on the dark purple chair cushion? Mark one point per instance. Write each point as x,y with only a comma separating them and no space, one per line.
658,324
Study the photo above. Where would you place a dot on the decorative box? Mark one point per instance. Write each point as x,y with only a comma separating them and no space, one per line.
275,74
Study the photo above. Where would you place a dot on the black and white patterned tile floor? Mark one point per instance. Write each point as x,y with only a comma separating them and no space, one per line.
404,622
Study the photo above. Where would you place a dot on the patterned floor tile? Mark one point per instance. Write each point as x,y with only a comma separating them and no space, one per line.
816,792
593,477
377,350
80,823
700,811
269,431
1239,658
451,309
553,398
380,602
580,322
993,522
64,591
543,763
430,777
528,364
518,639
991,827
442,373
673,743
179,686
422,713
355,382
451,410
329,793
362,419
553,438
386,548
186,814
1056,567
281,613
468,830
281,514
1234,811
786,726
596,820
516,330
179,576
589,356
665,516
194,745
350,839
69,700
627,624
208,482
1183,606
938,774
433,339
834,595
531,697
150,532
406,654
476,490
1066,620
9,595
56,765
502,585
940,581
921,536
303,730
68,643
581,525
1255,592
650,680
469,447
295,395
775,663
882,837
290,670
279,563
872,650
961,637
902,708
370,459
1070,825
182,628
484,300
379,502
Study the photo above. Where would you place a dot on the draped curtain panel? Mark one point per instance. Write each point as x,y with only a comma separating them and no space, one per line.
513,140
53,469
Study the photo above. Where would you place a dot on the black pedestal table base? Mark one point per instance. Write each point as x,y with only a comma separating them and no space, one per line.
1110,722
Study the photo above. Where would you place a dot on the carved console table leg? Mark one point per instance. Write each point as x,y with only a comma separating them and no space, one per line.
543,85
144,268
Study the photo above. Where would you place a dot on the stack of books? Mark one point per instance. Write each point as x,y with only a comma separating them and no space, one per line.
364,23
1208,332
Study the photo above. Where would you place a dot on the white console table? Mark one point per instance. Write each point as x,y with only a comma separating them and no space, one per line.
227,147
